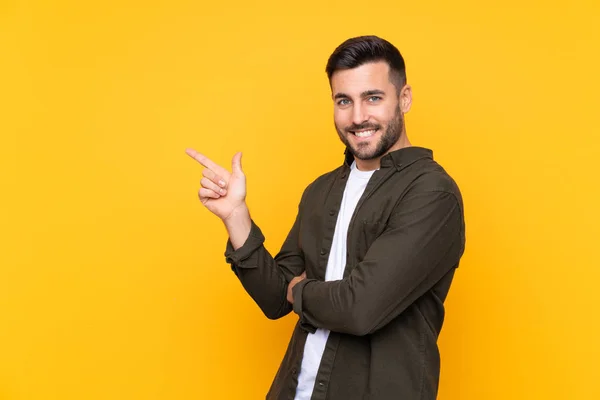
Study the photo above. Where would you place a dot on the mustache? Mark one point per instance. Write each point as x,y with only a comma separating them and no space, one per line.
363,126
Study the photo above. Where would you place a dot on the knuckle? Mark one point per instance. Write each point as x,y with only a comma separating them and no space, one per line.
207,183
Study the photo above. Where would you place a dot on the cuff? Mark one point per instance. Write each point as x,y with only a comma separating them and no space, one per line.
297,292
242,257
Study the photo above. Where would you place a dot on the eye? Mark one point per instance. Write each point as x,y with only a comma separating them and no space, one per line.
373,99
343,102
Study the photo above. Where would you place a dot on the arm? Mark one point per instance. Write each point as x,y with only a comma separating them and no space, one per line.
423,240
266,279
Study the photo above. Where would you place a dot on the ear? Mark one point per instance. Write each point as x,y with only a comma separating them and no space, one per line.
405,99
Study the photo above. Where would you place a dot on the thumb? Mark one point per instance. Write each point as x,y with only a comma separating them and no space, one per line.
236,163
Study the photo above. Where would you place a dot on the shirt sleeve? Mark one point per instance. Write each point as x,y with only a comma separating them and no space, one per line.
263,276
245,256
423,240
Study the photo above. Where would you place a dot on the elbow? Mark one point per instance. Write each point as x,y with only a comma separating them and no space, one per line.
274,313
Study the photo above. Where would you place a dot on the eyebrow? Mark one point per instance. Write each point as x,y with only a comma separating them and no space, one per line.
366,93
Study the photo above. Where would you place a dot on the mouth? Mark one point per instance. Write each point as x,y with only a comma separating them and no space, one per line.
364,133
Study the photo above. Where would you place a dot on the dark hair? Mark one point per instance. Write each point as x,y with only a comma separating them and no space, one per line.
360,50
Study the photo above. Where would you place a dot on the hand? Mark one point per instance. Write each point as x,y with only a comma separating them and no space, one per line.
222,192
293,282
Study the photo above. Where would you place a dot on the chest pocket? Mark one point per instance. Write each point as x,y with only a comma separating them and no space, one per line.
369,231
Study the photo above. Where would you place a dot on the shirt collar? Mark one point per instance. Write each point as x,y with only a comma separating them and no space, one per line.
397,158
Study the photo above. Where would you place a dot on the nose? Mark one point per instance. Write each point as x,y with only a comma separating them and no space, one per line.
359,114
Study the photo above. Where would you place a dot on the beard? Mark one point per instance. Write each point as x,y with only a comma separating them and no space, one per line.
388,138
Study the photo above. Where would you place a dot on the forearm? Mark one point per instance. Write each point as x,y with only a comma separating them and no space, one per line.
347,306
264,277
265,282
238,226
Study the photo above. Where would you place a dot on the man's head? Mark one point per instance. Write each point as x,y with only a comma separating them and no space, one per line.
368,82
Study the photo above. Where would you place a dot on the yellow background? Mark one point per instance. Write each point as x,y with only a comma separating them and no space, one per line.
113,283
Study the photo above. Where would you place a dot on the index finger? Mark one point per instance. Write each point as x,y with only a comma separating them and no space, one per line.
208,163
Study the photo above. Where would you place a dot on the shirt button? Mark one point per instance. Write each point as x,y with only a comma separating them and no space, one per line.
332,213
321,383
323,252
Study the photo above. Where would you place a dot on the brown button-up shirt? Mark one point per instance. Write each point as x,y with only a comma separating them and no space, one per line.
405,240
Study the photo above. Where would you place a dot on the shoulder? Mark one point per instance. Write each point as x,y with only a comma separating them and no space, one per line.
324,181
431,177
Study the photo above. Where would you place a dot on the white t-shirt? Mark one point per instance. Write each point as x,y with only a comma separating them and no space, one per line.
315,342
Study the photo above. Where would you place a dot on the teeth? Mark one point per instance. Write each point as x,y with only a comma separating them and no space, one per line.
364,133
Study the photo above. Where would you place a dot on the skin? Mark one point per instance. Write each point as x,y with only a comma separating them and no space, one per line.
364,100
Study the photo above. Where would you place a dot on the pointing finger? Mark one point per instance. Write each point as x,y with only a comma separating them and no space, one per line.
208,163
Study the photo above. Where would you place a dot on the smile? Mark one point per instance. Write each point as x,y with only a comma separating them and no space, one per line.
365,134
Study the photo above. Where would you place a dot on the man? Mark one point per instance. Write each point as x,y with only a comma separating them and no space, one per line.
369,260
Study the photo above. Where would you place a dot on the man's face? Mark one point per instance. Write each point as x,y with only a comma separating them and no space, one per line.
367,112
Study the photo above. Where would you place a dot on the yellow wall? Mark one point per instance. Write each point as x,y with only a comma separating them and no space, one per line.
113,283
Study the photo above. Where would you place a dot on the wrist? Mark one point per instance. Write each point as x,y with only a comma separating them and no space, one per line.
238,215
238,225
